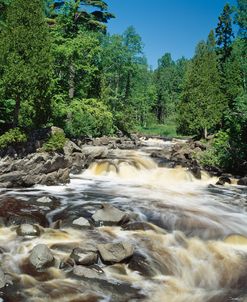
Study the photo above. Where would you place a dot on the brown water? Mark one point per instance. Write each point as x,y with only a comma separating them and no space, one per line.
194,251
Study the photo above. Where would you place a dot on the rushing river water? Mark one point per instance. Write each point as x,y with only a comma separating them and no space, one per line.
194,250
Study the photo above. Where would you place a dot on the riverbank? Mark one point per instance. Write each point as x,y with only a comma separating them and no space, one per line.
26,165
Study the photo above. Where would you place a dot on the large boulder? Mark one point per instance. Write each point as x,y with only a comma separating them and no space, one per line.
41,257
115,252
242,181
109,215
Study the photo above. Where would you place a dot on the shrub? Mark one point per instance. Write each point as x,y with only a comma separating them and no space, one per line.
55,143
88,117
12,136
218,154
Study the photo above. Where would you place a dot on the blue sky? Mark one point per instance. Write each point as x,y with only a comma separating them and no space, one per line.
174,26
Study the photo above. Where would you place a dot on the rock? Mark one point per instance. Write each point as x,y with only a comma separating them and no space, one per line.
242,181
140,264
109,215
115,252
55,130
3,279
138,225
222,180
28,230
81,222
17,211
94,272
84,257
95,152
70,148
44,199
41,256
196,171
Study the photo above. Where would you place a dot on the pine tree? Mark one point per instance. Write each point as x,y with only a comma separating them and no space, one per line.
25,62
202,104
224,33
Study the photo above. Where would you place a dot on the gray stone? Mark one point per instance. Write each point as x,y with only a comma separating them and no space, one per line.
82,222
28,230
41,256
44,199
84,257
115,252
90,273
110,215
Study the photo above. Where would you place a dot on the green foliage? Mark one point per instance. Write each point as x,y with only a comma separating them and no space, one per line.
168,129
11,137
55,143
224,32
202,103
218,154
88,117
25,62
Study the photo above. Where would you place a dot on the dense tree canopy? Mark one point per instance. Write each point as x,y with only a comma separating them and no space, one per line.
59,66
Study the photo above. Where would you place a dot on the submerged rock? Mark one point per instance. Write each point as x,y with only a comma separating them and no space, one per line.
28,230
115,252
84,257
109,215
94,272
41,256
81,222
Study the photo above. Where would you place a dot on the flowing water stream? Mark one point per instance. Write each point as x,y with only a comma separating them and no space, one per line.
193,250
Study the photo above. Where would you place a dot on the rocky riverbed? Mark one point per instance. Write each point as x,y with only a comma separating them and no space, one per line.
130,220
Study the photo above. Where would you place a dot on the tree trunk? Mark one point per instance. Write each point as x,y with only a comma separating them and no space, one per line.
71,81
16,112
205,133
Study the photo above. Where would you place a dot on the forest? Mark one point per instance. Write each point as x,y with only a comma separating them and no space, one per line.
60,66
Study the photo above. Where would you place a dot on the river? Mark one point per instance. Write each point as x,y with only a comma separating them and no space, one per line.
194,250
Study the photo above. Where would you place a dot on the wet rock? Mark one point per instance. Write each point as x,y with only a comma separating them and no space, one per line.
41,256
44,199
94,272
109,215
138,226
115,252
67,264
84,257
140,263
223,179
81,222
17,212
28,230
196,171
3,279
242,181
